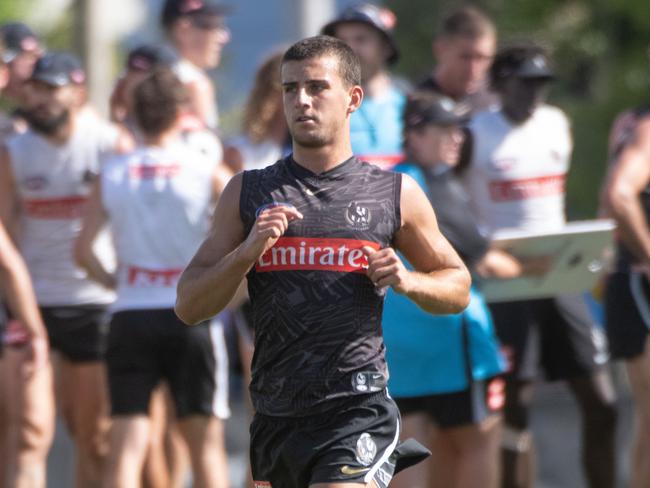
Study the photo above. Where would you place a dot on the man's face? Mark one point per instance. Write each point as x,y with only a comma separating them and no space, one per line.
202,43
465,60
316,100
368,43
47,107
433,144
521,96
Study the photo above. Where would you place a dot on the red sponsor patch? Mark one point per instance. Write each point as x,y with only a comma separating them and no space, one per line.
303,253
55,208
262,484
142,277
542,186
148,172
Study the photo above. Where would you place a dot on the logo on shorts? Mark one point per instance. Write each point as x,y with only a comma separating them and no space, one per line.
360,382
358,216
262,484
366,449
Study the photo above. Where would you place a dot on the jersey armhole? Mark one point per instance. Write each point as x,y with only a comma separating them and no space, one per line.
398,202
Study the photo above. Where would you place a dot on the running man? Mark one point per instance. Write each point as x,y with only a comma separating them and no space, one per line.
313,235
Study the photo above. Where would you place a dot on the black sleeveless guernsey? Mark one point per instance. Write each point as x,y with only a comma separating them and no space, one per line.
317,316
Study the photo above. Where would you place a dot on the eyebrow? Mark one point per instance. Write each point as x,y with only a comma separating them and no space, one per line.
308,82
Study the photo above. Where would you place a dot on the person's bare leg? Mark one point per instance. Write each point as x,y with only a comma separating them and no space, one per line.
418,426
477,448
205,440
84,404
639,373
176,452
128,440
155,472
30,415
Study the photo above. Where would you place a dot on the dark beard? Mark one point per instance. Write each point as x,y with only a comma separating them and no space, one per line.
46,127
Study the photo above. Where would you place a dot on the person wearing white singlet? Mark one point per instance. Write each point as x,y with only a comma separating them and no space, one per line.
167,462
519,159
46,178
157,201
197,31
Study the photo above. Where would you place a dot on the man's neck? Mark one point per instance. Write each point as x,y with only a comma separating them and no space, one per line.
446,87
321,159
63,133
162,139
377,85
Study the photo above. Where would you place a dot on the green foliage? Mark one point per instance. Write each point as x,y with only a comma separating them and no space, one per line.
600,50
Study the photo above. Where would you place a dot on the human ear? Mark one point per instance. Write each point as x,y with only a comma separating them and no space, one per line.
356,97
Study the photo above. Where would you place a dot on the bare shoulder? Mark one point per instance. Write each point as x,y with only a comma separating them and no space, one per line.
414,204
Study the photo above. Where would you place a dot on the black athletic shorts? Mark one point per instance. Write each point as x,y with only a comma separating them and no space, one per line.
558,333
627,313
468,407
148,346
77,332
355,443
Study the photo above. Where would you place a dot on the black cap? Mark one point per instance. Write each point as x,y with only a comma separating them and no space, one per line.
202,14
534,67
380,18
148,56
59,69
525,61
427,108
17,38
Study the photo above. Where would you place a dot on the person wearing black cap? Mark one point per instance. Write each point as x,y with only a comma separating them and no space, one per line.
197,31
376,128
444,369
21,50
45,177
516,172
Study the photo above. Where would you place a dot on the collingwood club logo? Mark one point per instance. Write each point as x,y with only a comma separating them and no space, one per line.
358,216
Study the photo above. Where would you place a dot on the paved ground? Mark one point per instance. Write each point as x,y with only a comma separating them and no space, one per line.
555,422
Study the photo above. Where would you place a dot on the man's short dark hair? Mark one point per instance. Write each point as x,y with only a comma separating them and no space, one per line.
321,46
466,22
158,100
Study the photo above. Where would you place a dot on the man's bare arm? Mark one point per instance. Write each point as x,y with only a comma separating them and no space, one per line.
211,279
440,281
8,196
94,221
17,287
629,177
